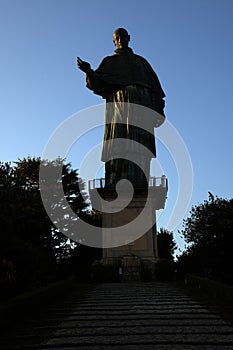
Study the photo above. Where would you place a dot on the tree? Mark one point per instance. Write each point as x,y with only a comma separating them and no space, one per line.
208,232
166,248
166,244
31,247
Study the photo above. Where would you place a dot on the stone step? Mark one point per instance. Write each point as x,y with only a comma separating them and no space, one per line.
135,339
125,316
145,316
130,308
145,347
142,329
175,322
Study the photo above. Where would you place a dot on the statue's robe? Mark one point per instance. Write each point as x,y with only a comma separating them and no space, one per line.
126,77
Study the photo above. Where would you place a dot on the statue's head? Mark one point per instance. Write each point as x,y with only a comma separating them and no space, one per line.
121,38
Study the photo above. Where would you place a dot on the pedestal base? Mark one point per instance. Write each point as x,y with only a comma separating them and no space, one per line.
135,259
127,269
144,247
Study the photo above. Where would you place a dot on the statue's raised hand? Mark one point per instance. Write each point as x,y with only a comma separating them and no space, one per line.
84,66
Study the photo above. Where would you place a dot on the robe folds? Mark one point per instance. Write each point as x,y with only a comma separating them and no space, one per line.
125,79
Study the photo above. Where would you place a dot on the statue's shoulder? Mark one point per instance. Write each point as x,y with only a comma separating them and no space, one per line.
107,60
140,58
144,63
120,59
105,63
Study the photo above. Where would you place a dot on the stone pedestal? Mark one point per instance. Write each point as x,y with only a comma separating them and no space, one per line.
131,269
144,248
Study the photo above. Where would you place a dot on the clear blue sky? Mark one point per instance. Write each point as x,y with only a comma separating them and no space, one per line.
188,43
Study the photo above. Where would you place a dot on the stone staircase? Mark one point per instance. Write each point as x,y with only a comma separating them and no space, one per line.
125,316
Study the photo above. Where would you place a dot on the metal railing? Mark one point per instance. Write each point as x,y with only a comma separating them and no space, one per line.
153,182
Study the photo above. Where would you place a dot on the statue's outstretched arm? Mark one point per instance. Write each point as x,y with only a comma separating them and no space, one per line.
93,80
84,66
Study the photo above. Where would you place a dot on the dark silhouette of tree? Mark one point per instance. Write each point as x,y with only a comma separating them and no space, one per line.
209,234
166,248
166,244
31,247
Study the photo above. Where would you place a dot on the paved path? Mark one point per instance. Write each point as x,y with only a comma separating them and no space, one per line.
127,316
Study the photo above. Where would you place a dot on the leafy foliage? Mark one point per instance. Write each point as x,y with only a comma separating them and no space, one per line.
209,233
166,249
166,244
32,250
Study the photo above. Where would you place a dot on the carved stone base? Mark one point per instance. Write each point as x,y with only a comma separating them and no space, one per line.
144,247
135,258
129,269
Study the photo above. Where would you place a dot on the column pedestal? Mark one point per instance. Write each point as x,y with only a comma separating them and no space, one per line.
144,249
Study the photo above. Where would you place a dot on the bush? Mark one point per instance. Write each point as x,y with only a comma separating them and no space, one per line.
214,288
105,273
164,270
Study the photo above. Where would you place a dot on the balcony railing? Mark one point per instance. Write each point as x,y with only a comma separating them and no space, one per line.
153,182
